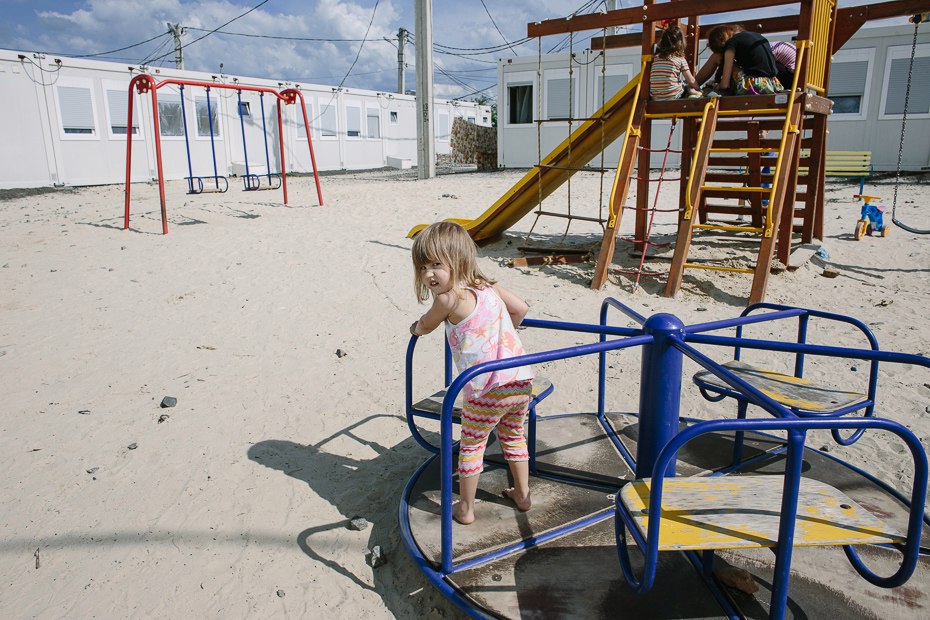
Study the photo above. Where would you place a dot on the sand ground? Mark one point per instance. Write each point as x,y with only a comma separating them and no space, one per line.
281,332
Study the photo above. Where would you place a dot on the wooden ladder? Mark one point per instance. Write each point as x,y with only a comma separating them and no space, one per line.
621,185
776,194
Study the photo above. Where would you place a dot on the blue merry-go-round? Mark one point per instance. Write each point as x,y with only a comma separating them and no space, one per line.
650,514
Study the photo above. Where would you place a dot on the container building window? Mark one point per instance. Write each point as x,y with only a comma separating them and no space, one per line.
919,100
77,110
207,119
373,117
442,126
847,86
301,130
353,121
520,104
558,98
328,123
170,119
118,109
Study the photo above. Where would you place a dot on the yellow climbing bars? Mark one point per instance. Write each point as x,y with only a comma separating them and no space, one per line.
787,128
821,14
689,203
630,131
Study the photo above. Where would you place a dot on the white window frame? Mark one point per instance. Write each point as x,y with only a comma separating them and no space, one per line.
333,108
299,118
394,117
168,94
856,55
443,111
574,83
87,84
214,107
899,52
520,78
122,87
377,114
609,71
354,105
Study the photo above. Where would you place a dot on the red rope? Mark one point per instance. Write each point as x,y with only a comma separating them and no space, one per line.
659,180
647,149
655,202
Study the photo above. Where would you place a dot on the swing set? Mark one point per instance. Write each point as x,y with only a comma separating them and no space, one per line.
216,183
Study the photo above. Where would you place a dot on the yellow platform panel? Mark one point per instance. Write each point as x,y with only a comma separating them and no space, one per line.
744,511
788,390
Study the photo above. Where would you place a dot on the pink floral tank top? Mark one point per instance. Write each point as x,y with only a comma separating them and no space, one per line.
484,335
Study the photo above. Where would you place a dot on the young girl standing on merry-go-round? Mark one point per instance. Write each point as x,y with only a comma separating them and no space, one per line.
480,318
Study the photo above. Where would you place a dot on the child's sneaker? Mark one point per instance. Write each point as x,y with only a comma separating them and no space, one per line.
712,93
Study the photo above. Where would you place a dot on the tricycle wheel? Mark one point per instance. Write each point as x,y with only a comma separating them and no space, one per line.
861,228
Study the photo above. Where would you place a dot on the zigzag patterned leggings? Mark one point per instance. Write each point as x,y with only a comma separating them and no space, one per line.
503,408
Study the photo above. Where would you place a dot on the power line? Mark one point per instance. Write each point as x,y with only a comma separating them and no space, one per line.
496,28
117,50
282,38
362,46
257,6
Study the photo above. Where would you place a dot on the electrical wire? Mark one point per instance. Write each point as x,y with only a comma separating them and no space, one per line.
165,33
496,28
282,38
240,16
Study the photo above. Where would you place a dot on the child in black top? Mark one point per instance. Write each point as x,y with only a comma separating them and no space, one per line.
747,65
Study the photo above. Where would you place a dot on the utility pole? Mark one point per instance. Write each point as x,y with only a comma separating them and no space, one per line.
401,42
612,6
426,146
177,31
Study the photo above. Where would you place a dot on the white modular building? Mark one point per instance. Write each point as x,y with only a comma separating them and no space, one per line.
64,122
868,83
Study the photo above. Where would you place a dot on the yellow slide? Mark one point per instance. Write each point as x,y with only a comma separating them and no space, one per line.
574,152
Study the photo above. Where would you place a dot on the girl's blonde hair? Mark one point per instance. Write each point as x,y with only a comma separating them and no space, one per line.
447,243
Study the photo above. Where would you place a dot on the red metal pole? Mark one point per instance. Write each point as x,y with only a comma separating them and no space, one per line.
281,148
132,84
161,174
316,176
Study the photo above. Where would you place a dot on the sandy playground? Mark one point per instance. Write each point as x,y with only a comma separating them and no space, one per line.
281,332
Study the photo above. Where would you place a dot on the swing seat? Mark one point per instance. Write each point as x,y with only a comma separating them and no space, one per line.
255,182
195,185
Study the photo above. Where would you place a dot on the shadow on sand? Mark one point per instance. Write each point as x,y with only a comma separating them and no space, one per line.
365,486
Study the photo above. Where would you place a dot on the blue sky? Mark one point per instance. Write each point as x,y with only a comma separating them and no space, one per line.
81,27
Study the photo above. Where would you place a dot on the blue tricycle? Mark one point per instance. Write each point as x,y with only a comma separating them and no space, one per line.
870,219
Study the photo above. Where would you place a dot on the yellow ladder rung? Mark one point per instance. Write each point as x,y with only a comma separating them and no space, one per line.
752,229
674,114
716,268
751,112
727,188
746,149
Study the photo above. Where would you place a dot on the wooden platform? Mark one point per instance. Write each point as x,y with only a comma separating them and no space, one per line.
786,389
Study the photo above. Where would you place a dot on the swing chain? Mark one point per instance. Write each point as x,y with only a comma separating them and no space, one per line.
907,96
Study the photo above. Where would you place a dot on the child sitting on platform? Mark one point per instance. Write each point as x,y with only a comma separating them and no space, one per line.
786,59
670,71
746,62
480,319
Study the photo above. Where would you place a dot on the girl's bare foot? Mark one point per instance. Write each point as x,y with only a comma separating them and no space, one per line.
465,517
523,503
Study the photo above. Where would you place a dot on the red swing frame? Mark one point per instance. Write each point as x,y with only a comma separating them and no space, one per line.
145,83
